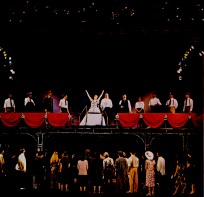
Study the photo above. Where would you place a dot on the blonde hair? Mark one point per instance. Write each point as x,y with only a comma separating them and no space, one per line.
54,157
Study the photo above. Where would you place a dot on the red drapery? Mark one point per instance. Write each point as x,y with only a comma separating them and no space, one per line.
61,120
177,120
11,119
155,120
129,120
58,119
35,120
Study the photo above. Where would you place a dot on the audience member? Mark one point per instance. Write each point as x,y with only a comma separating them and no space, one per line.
82,166
121,169
2,168
108,172
54,171
161,174
21,170
38,169
150,172
133,164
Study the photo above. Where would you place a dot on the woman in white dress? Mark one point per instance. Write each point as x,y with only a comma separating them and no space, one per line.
94,116
94,103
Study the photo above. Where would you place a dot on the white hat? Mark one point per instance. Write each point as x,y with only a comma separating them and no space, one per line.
149,155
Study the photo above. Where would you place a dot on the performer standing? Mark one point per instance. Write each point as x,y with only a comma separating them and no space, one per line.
106,107
154,103
188,104
94,103
139,105
124,105
29,103
94,116
172,103
9,104
63,104
48,102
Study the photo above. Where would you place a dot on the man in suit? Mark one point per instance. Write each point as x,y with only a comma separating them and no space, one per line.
48,102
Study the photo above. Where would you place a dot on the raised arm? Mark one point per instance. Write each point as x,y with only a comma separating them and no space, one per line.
88,95
101,95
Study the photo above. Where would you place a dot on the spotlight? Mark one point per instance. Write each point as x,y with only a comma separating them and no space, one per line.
12,71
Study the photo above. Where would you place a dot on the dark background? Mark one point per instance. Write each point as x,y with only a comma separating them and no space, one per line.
131,64
65,55
70,56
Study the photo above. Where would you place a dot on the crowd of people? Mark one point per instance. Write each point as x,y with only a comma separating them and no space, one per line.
91,171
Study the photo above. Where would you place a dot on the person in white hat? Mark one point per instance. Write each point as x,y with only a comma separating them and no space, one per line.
29,104
150,173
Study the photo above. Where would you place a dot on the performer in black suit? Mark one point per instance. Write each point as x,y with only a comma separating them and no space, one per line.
48,102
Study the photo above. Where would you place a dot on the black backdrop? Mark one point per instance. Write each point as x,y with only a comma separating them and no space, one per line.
134,63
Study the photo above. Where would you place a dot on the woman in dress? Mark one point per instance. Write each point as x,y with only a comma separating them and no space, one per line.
54,171
150,173
94,103
94,116
139,105
180,179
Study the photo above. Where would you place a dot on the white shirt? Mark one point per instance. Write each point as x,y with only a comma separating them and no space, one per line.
27,99
133,161
188,102
173,102
63,103
154,101
106,102
107,160
22,159
8,102
139,104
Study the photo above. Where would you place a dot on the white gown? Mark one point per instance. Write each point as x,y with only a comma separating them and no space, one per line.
93,117
93,120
